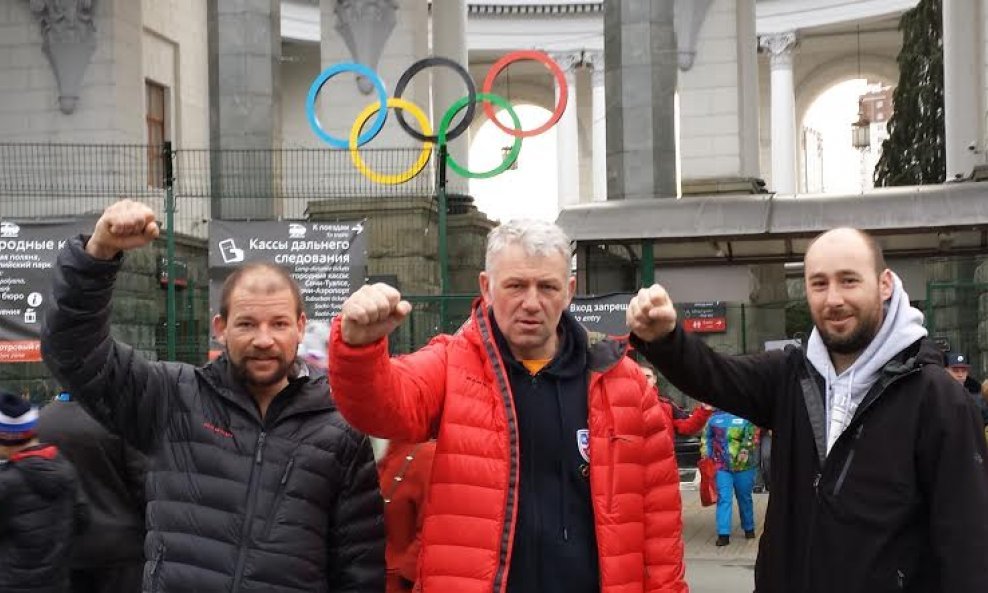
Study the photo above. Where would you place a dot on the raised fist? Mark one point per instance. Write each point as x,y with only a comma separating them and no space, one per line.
124,226
651,315
371,313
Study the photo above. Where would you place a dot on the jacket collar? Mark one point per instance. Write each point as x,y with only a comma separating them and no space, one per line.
304,394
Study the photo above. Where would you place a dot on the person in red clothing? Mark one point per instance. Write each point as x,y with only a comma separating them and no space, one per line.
404,472
554,469
683,422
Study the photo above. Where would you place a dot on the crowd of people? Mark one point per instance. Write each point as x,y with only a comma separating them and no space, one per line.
526,454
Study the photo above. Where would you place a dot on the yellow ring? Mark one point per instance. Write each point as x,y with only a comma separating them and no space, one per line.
407,174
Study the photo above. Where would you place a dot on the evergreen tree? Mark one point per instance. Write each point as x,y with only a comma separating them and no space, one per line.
913,154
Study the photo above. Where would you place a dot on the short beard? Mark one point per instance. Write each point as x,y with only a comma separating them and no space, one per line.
851,344
241,374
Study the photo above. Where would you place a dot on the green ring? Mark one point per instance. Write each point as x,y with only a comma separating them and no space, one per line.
448,118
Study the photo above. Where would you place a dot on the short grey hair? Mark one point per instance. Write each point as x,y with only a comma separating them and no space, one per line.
537,237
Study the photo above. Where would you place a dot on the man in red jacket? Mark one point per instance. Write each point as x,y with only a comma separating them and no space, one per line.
554,468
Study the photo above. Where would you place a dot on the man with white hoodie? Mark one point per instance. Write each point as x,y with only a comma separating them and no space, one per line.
879,469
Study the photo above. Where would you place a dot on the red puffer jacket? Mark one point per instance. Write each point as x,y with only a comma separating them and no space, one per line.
456,388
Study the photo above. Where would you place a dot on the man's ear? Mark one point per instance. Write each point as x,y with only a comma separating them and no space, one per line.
886,284
219,329
485,287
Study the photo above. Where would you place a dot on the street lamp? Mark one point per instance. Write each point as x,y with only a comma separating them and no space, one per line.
861,132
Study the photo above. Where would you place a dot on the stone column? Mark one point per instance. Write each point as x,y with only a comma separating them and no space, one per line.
449,25
962,86
641,59
780,47
244,104
567,134
595,60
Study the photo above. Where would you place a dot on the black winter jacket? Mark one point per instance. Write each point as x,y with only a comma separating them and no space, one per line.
284,504
898,504
39,510
111,474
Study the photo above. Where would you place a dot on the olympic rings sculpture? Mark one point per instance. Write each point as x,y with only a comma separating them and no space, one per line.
359,137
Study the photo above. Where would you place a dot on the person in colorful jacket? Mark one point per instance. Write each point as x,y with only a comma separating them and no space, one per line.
731,441
554,469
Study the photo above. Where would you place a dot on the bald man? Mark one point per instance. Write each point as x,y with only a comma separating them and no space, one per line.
256,481
879,472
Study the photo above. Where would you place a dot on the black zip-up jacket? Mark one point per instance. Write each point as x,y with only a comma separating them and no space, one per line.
555,546
898,504
111,474
236,503
39,511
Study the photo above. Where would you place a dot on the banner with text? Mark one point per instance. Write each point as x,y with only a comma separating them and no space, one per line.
27,256
327,259
604,314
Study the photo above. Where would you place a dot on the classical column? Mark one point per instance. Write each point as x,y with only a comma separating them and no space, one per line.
449,40
642,69
595,59
245,107
780,47
567,133
962,86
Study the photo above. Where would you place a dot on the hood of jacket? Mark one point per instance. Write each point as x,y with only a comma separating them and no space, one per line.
901,327
45,471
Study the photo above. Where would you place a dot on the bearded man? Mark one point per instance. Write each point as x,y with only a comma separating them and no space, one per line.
256,482
879,466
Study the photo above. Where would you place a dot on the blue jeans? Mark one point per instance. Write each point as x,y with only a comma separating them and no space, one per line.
728,485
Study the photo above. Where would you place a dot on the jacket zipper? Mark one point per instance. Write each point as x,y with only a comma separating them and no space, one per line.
282,486
855,421
255,478
159,555
511,499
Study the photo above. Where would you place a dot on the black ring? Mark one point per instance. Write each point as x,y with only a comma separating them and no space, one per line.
417,67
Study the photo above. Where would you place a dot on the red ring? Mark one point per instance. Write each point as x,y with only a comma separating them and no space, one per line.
553,67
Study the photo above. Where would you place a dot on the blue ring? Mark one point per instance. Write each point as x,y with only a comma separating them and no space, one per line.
323,78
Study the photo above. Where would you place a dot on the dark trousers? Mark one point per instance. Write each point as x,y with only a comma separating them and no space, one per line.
116,578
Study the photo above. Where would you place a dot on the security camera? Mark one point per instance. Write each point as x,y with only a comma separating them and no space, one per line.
973,146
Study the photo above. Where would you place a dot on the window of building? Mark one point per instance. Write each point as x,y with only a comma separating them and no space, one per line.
156,117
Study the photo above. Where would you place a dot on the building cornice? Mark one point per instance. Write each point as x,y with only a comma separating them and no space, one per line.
537,9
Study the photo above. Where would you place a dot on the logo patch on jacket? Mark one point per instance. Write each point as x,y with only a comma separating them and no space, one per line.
583,443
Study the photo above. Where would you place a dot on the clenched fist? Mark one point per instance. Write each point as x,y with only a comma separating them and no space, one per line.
651,315
372,313
124,226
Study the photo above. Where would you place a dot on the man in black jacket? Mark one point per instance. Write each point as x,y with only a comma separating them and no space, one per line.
256,482
959,368
879,468
107,556
39,505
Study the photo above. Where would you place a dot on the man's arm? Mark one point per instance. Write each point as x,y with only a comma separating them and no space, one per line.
953,470
693,423
743,385
356,536
118,387
398,398
664,567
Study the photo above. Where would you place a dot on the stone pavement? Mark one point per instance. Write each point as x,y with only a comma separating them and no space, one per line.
700,531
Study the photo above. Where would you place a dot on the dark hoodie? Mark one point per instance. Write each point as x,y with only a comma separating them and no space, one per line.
555,547
39,511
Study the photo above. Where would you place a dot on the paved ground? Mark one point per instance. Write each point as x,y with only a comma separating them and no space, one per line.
710,569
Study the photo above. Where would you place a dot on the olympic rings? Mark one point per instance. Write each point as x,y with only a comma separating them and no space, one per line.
417,67
416,167
553,67
322,79
357,139
509,159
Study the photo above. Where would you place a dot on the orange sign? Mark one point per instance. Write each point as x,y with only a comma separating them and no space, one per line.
20,351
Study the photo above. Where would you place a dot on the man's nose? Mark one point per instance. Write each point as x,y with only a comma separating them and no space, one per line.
531,301
262,338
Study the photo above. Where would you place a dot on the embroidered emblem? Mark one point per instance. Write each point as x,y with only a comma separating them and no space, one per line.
583,443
